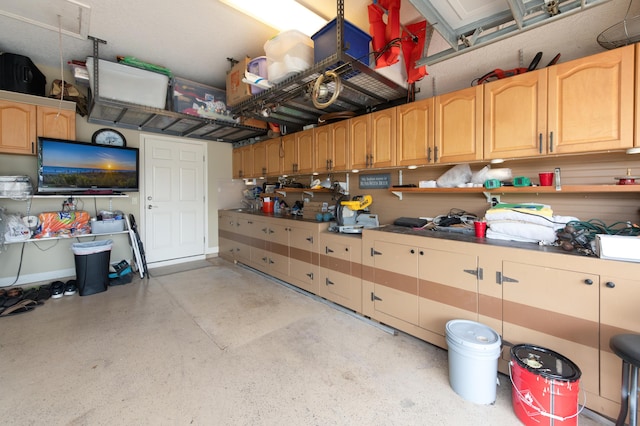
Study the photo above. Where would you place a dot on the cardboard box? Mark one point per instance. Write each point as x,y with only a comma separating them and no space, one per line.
237,91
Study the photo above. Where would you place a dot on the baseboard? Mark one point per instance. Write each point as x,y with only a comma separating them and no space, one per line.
41,277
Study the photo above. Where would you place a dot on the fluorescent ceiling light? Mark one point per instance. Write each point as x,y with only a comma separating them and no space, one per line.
280,14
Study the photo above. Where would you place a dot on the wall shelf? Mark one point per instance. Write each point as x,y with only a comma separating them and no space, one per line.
70,237
566,189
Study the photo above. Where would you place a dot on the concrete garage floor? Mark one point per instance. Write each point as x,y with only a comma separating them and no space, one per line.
223,345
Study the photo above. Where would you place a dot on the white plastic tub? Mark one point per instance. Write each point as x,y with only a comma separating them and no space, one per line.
474,350
288,53
129,84
107,226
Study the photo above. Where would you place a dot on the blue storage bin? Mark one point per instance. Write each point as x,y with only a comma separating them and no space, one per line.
356,41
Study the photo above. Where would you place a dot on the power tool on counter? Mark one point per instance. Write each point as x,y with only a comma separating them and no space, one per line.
352,216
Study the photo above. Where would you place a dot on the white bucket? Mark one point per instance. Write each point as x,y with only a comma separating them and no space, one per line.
474,350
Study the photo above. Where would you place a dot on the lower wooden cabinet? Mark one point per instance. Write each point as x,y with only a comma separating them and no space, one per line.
340,269
570,304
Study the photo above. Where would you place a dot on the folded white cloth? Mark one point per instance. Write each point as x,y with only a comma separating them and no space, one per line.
522,231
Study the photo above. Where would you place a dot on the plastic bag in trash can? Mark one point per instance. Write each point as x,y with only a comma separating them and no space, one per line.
91,247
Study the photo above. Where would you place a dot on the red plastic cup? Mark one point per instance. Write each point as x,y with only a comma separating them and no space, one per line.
267,206
481,229
546,178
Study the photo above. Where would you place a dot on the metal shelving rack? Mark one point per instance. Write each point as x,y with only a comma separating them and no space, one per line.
138,117
289,102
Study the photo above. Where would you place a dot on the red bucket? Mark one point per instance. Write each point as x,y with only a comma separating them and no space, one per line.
545,386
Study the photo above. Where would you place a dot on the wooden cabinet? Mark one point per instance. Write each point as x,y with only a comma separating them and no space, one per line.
554,308
243,162
288,150
583,105
259,154
340,264
21,124
56,123
395,281
372,139
305,152
458,126
331,147
447,288
618,315
303,264
227,224
415,133
274,156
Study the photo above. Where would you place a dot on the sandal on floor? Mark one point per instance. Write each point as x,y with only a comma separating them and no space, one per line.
25,305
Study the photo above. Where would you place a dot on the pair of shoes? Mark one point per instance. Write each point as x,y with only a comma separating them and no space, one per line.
70,288
12,296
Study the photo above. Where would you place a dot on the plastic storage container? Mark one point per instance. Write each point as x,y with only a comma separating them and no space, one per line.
288,53
92,266
199,99
355,40
129,84
258,66
107,226
474,350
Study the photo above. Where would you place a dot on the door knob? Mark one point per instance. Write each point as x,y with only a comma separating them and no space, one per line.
151,206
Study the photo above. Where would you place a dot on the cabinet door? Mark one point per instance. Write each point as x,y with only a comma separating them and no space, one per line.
246,238
247,161
383,138
515,116
305,151
227,224
395,281
259,154
289,164
447,288
337,282
303,246
56,123
236,160
274,156
591,103
17,128
558,310
458,126
323,144
618,315
415,133
359,136
278,246
340,150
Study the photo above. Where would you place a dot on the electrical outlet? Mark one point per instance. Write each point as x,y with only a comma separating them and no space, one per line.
134,200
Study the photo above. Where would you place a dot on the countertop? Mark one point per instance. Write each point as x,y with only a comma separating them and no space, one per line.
430,233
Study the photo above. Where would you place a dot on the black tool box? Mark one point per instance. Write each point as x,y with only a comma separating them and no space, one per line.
19,74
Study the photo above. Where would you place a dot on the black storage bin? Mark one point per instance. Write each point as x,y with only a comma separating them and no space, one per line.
19,74
92,266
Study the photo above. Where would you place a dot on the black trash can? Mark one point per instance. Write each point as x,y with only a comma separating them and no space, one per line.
92,266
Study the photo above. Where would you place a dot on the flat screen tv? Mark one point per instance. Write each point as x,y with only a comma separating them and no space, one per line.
71,167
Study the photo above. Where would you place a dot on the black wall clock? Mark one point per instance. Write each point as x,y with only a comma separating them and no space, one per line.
108,137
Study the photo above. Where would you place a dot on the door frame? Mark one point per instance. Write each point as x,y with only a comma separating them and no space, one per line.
141,210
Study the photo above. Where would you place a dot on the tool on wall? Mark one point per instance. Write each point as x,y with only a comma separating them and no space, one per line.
498,74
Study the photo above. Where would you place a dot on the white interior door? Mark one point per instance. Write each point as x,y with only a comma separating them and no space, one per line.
174,202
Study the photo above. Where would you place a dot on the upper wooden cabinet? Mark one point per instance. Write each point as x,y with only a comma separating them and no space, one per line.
583,105
373,140
415,134
21,123
444,129
289,160
305,152
243,162
458,126
331,144
259,153
274,156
